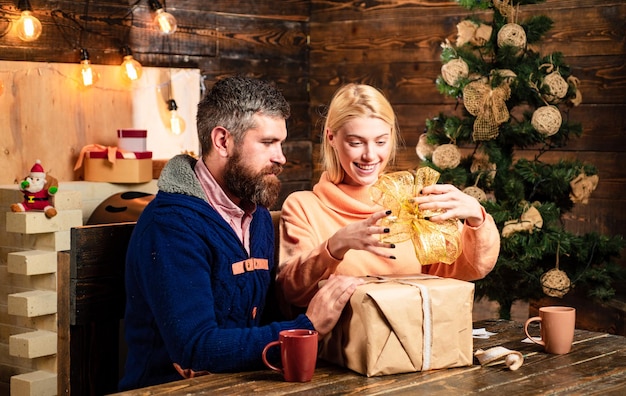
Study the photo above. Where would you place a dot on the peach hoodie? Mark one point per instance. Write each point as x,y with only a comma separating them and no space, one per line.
310,218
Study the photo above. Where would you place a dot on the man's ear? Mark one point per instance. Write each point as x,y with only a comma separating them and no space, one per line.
220,137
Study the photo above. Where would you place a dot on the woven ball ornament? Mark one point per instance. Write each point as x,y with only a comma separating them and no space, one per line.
476,192
512,34
453,71
547,120
556,86
555,283
447,156
481,164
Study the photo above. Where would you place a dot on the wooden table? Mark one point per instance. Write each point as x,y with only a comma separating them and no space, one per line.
595,366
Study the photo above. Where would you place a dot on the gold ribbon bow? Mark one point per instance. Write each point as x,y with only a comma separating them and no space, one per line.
489,107
434,242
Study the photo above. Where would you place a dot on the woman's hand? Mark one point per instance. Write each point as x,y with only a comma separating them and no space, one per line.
361,235
454,203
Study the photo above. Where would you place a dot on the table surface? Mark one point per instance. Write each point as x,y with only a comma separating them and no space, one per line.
596,365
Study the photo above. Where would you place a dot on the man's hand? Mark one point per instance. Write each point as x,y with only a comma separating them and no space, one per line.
326,306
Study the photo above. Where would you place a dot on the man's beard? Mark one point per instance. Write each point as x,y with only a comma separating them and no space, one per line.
257,187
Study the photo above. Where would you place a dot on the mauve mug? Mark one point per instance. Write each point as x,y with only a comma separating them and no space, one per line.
298,353
557,328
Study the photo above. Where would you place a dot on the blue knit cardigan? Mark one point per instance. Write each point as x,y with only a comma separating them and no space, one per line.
183,303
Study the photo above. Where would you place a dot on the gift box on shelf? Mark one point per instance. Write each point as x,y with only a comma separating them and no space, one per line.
404,324
125,167
132,140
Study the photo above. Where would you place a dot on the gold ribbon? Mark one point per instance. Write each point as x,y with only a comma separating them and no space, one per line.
434,242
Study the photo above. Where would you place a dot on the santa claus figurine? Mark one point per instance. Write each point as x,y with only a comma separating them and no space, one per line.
38,188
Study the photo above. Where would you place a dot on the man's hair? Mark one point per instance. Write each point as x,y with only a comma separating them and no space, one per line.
232,103
349,102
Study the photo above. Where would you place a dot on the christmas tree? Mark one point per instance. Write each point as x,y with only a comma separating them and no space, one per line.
511,97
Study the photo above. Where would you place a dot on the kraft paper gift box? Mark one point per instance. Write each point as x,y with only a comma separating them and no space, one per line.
128,167
404,324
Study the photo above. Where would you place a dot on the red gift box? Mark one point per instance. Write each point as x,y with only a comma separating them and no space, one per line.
132,139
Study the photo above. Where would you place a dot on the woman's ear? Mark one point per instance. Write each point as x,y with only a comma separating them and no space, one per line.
330,137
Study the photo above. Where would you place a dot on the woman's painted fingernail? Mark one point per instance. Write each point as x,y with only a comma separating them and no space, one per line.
426,218
386,230
392,257
388,212
392,246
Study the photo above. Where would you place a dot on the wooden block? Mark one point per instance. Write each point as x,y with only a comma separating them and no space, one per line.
33,344
54,241
67,200
32,262
36,383
36,222
10,195
32,303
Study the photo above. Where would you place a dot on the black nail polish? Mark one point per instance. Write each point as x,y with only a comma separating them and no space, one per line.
392,257
388,212
386,230
392,245
426,218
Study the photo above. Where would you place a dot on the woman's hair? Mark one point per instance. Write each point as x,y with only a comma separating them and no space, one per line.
349,102
232,104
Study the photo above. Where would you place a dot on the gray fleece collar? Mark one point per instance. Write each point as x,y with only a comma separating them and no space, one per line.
178,177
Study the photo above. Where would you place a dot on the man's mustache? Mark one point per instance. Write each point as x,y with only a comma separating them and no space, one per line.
275,169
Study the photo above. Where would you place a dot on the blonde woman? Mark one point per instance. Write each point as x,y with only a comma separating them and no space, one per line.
334,229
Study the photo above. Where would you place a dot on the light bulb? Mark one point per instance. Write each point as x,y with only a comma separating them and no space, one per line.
131,69
177,123
165,21
28,27
88,75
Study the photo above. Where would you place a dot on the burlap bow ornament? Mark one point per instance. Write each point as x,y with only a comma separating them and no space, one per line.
488,105
434,242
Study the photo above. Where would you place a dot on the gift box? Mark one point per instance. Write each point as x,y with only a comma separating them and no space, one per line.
128,167
404,324
133,140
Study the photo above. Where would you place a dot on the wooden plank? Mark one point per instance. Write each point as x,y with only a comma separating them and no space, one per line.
98,257
63,330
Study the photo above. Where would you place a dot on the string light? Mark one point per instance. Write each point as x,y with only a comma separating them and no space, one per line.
164,20
177,123
131,68
89,77
28,26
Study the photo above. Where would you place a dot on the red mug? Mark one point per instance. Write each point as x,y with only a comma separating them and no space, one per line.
298,353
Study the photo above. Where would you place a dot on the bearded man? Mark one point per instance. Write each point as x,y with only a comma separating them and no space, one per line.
201,257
